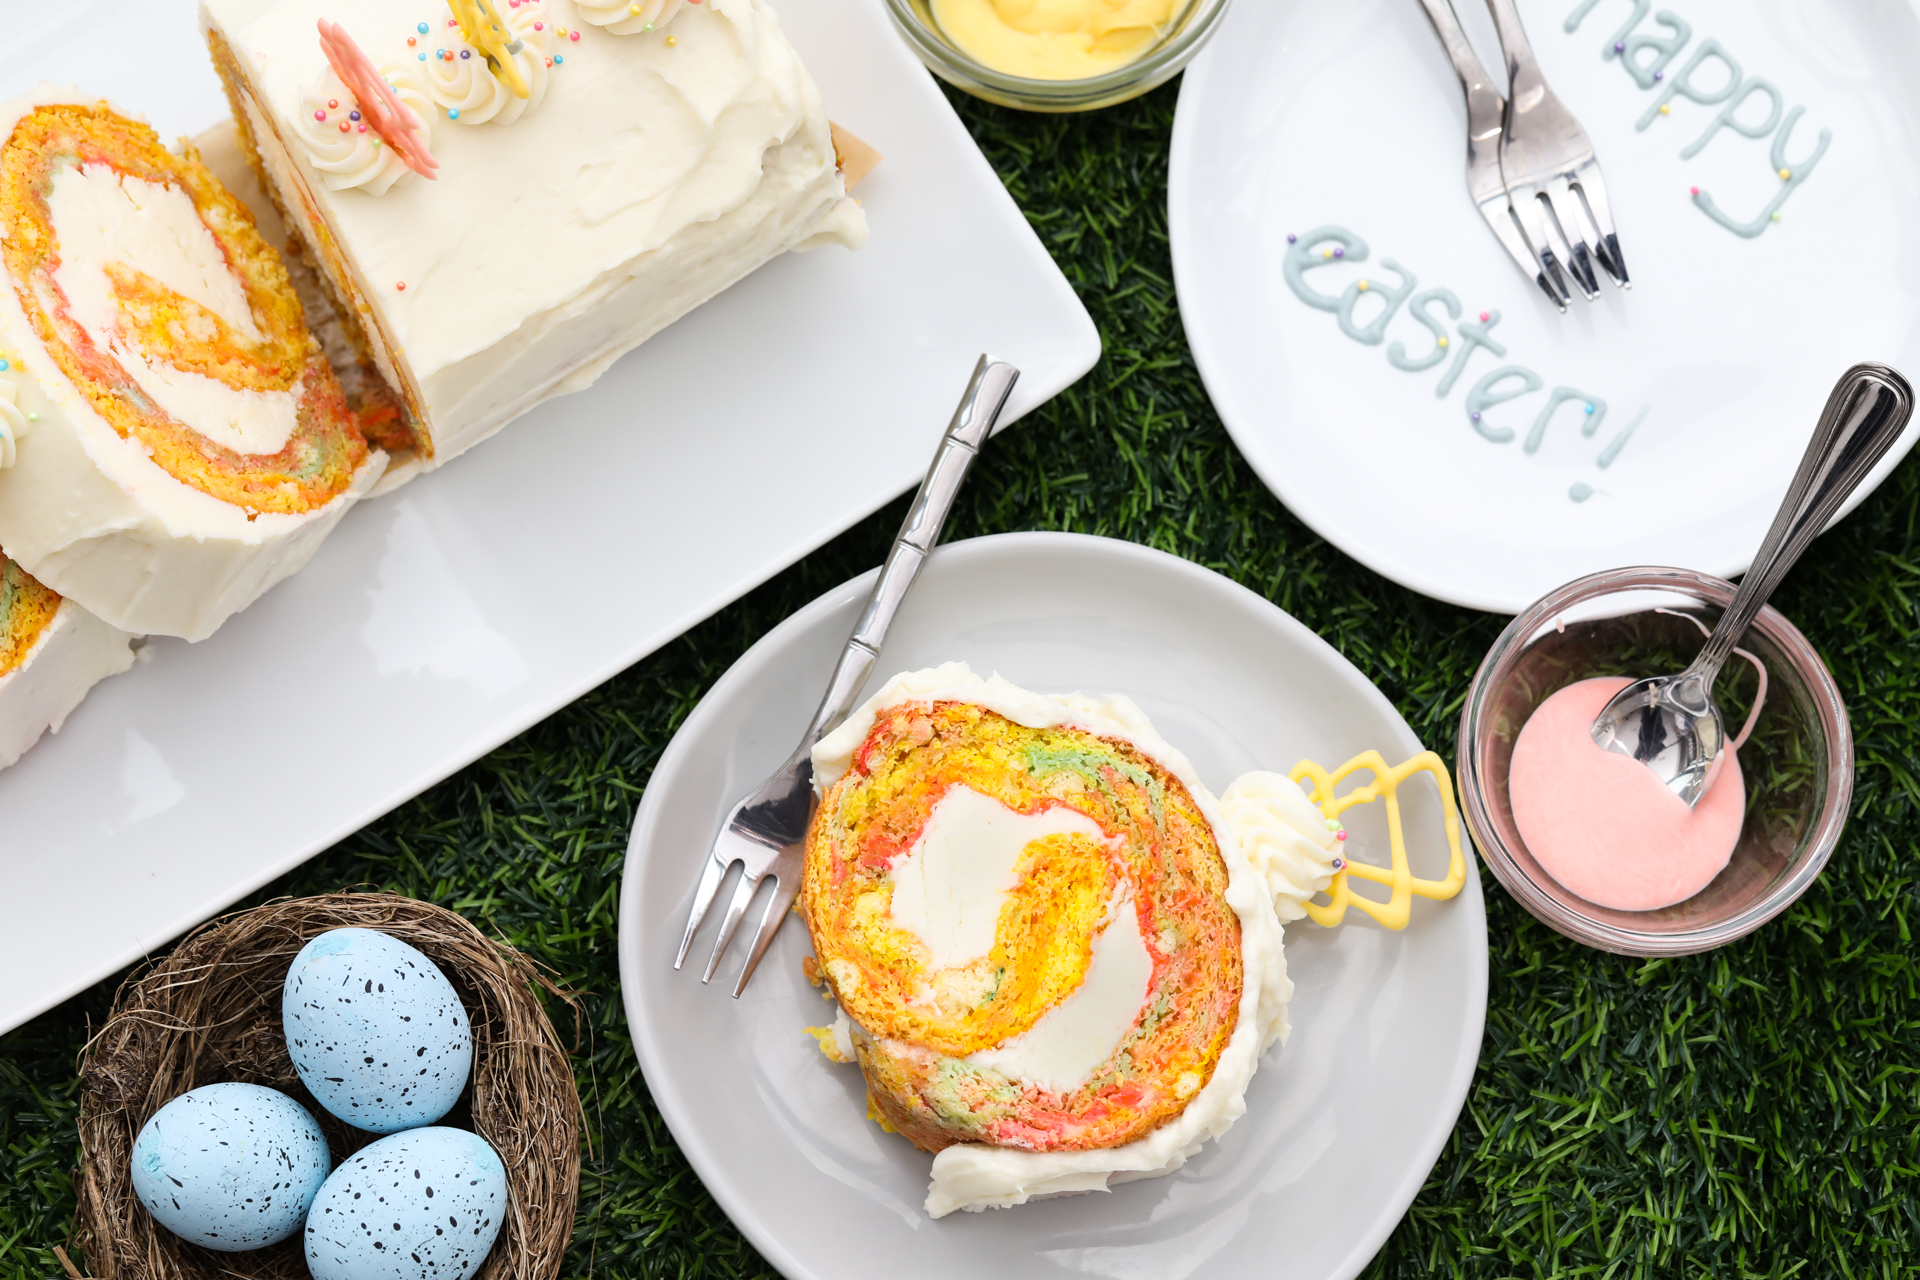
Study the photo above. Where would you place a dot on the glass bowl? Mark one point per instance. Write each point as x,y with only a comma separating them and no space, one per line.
1635,622
1195,24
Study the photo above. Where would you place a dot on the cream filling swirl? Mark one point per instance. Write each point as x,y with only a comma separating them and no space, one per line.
626,17
465,87
13,424
341,145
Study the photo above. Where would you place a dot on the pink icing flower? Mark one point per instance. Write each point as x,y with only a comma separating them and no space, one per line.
383,110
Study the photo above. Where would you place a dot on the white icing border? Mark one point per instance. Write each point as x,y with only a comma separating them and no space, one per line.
974,1177
74,653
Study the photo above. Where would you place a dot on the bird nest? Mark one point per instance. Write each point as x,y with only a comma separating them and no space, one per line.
210,1011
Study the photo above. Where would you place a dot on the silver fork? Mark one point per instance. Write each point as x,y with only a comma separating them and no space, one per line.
766,832
1486,127
1547,160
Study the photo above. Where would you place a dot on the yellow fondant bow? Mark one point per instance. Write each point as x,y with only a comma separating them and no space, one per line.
482,27
1394,912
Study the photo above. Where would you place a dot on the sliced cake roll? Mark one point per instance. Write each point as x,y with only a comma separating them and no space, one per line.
183,444
1054,964
503,196
51,652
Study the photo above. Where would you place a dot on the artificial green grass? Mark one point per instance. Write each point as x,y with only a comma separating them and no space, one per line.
1754,1112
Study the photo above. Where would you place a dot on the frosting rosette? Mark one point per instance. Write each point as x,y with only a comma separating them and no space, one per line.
627,17
51,653
463,84
190,444
343,147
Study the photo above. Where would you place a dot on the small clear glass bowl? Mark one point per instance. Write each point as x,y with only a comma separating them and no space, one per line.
1634,622
1195,25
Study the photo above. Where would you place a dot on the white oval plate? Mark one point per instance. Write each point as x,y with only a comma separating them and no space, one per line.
1301,116
1342,1125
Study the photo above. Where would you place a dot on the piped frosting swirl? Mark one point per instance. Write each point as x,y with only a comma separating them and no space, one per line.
339,141
629,17
461,83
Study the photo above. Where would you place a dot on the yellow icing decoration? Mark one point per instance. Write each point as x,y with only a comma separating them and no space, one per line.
482,27
1398,909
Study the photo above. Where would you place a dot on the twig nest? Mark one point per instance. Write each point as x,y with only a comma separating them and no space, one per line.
210,1012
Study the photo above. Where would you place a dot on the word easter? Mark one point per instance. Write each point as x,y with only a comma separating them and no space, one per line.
1325,246
1734,88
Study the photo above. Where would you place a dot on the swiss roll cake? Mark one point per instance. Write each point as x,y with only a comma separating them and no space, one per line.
181,444
51,653
503,196
1053,962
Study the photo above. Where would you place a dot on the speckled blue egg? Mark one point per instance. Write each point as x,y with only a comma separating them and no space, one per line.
375,1031
230,1166
421,1205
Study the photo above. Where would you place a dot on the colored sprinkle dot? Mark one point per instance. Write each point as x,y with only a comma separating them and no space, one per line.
558,59
422,28
1619,46
1443,342
1332,825
634,9
1474,416
1339,253
560,31
1363,286
4,366
423,57
1485,316
401,285
466,53
1339,835
539,26
1693,191
573,35
1291,237
411,41
453,113
549,61
353,115
333,104
1339,864
363,129
1659,75
1665,110
319,115
33,417
648,27
672,40
1589,406
1786,175
453,22
345,127
1776,215
1326,253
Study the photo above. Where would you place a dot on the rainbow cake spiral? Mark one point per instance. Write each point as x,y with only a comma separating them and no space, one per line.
185,444
1053,960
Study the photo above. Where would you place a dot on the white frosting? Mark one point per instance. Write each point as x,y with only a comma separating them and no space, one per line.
972,1176
949,887
1069,1043
74,653
653,177
465,87
354,158
93,517
1284,836
625,17
13,423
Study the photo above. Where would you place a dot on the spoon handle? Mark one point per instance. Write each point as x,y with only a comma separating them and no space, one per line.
1865,414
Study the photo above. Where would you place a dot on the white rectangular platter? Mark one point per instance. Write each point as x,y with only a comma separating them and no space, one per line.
442,620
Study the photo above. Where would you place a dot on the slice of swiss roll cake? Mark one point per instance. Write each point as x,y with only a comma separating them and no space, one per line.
182,444
51,652
504,196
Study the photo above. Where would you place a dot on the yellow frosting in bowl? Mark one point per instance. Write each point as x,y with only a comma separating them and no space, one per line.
1055,39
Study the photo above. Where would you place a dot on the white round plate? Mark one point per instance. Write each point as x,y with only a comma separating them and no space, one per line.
1342,1124
1713,367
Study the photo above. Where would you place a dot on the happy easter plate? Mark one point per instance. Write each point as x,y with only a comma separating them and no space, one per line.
1343,126
1343,1123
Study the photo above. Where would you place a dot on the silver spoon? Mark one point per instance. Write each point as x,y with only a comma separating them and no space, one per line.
1671,723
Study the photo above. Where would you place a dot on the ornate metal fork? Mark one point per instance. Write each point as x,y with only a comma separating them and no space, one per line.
1486,133
766,832
1553,181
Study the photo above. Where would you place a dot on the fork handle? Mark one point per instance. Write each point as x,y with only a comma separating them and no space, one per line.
1523,71
973,421
1483,100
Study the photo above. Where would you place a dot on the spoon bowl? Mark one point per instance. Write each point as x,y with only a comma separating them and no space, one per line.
1671,724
